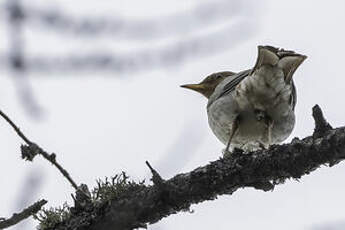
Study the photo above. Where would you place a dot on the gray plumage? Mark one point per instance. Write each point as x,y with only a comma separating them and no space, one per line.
260,101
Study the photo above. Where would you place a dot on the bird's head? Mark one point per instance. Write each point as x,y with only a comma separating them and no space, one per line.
207,86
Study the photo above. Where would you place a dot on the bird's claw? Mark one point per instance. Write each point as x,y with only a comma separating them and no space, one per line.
226,152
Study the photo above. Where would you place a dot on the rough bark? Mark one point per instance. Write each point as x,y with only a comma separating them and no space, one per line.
262,170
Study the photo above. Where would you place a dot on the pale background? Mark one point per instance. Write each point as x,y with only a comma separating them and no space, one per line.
100,123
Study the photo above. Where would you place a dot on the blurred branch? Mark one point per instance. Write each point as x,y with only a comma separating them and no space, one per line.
236,31
30,150
170,55
336,225
193,21
136,205
16,59
17,217
127,28
29,190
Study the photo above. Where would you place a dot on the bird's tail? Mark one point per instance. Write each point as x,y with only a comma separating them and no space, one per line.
287,60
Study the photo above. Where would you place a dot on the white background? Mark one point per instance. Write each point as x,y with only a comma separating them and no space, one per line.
100,124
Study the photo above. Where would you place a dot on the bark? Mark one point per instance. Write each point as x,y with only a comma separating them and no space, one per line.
26,213
262,170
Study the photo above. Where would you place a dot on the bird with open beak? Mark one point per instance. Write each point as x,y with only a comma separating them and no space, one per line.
253,109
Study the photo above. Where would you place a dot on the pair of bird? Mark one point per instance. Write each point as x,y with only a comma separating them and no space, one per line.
253,109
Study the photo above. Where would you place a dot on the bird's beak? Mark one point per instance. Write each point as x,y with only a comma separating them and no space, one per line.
196,87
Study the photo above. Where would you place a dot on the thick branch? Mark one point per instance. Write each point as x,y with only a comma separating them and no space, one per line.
17,217
261,169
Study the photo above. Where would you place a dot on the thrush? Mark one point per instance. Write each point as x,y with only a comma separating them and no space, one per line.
253,109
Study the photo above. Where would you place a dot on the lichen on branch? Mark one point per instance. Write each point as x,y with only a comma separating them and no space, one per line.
128,205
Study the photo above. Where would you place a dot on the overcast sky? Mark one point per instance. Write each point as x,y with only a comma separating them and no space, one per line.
100,123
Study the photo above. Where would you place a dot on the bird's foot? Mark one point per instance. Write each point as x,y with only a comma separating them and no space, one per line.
233,152
264,146
226,152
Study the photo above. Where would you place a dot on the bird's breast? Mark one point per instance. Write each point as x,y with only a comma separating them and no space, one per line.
262,91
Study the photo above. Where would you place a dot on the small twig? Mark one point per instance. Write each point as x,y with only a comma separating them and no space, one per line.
321,125
30,150
156,178
82,198
52,159
27,141
17,217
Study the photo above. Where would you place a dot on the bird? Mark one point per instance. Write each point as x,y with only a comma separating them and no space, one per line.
255,108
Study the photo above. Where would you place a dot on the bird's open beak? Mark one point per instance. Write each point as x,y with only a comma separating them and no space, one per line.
196,87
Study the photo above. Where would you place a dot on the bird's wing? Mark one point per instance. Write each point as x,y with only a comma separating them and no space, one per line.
293,96
230,86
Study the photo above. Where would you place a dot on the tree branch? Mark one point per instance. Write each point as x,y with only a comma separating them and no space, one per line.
20,134
139,205
30,150
17,217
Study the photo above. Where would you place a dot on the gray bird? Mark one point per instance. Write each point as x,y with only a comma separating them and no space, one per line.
253,109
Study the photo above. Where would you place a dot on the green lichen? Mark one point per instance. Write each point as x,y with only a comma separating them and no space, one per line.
114,188
48,218
87,211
